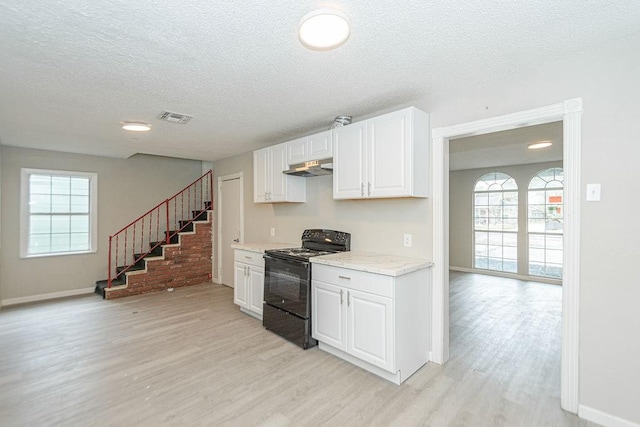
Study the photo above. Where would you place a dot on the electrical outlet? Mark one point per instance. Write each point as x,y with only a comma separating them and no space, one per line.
273,231
408,240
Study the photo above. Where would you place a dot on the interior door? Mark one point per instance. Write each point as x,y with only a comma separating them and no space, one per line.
230,225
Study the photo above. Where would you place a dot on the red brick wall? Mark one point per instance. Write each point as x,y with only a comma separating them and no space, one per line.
184,264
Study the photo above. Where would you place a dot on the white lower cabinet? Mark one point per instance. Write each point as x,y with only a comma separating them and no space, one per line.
377,322
249,282
370,329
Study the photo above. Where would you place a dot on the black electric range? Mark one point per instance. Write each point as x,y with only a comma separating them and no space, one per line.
287,284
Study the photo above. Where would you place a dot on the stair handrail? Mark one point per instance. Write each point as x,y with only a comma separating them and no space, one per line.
207,178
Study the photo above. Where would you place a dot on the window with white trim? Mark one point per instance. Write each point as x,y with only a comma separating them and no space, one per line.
545,223
58,212
496,223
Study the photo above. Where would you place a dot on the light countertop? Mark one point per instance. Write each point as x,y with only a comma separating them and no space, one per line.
261,247
388,265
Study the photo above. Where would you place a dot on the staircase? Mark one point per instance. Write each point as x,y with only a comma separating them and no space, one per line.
167,247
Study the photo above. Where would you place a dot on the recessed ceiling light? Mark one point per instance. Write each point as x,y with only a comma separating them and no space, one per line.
324,29
136,126
539,144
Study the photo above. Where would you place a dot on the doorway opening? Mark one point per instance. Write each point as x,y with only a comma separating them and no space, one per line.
499,222
570,114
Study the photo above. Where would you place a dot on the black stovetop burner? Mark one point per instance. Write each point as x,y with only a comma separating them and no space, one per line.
299,253
314,243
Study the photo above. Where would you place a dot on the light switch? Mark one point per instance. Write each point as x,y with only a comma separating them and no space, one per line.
593,192
273,231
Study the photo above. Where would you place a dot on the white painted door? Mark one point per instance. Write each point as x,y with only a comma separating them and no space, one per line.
320,146
348,161
240,294
327,314
260,175
297,151
230,225
255,283
370,329
278,163
389,154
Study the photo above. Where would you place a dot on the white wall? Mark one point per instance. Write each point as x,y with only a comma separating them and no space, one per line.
375,225
461,185
607,80
126,189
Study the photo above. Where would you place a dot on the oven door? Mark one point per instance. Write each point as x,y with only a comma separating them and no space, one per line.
286,285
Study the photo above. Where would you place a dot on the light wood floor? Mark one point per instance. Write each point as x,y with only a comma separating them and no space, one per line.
189,357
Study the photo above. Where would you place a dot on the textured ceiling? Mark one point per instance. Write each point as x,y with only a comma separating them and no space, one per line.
72,70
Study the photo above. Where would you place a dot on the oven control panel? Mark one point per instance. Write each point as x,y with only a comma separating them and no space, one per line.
327,236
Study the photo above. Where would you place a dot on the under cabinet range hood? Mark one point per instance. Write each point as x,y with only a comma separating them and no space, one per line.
311,168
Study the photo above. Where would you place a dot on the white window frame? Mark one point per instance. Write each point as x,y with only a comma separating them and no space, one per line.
25,173
488,230
545,233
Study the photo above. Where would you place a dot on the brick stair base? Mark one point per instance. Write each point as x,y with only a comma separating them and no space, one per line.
185,263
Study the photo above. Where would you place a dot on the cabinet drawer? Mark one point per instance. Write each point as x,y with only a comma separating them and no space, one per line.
248,257
353,279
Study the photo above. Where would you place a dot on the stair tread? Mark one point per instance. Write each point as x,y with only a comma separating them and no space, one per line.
105,283
132,268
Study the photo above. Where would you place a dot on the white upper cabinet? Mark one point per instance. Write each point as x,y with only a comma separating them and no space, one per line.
385,156
270,185
348,161
313,147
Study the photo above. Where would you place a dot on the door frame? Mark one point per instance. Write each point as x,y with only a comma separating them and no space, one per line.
221,179
570,113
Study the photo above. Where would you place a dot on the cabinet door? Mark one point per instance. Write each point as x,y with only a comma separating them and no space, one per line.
320,146
278,163
297,151
389,155
370,329
327,314
348,161
260,170
240,294
255,283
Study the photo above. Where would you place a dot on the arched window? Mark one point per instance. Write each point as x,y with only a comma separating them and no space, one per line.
545,223
496,223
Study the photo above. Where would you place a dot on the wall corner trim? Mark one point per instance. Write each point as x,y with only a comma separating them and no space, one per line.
603,418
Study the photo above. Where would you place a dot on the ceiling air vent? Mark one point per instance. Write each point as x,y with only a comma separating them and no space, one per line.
168,116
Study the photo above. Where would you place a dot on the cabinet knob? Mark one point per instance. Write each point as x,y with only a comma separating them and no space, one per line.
348,299
344,277
341,296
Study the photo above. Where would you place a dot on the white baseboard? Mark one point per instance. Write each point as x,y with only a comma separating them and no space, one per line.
42,297
507,275
603,418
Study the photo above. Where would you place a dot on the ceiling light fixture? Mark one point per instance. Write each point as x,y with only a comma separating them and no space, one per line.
136,126
324,29
539,144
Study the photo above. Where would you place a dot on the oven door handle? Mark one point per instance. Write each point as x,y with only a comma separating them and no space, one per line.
284,261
